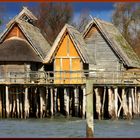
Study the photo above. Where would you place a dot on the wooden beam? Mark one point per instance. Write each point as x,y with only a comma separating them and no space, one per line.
0,104
26,104
130,104
84,102
7,101
66,101
116,102
110,107
55,100
51,102
76,101
89,109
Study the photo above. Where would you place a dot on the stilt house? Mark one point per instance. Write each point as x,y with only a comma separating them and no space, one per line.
22,46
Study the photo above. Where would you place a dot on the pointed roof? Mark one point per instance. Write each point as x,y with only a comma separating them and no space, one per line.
33,35
25,11
117,42
76,38
17,49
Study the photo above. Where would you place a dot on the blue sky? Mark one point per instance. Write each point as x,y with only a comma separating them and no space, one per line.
101,10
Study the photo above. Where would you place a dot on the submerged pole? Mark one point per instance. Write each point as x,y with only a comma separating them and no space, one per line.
89,109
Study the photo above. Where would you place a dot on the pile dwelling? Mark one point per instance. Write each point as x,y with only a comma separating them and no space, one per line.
40,80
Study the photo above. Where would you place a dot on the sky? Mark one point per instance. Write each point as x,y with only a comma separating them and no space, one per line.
101,10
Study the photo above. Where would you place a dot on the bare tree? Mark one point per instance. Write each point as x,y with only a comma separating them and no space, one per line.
82,20
52,17
126,18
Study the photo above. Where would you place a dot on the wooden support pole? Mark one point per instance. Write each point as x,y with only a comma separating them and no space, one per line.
7,101
26,104
89,109
84,103
66,101
55,100
124,103
139,102
0,104
110,107
51,103
130,104
133,101
98,103
104,95
116,102
41,102
76,101
21,106
14,105
17,102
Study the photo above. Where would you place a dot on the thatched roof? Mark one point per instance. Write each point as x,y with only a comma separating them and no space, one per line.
120,46
16,49
25,11
33,35
76,38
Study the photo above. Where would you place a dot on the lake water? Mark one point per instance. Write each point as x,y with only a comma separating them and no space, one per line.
62,127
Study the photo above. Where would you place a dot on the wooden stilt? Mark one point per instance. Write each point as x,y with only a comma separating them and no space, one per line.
51,103
7,101
110,107
36,103
55,100
136,100
0,105
41,102
139,102
84,103
26,104
17,101
89,109
124,103
104,94
76,101
133,101
66,101
14,105
130,104
46,103
21,108
98,103
116,102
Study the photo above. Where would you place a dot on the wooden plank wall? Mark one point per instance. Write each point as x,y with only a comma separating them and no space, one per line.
104,56
67,59
15,31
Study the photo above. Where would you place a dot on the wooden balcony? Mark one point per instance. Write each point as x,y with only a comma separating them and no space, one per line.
72,77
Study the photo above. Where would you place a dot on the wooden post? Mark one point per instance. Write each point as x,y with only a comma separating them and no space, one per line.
26,104
98,103
55,100
76,101
104,95
7,101
0,104
124,103
21,108
110,94
138,101
84,103
116,102
66,101
41,103
133,101
17,101
51,103
89,109
46,103
130,104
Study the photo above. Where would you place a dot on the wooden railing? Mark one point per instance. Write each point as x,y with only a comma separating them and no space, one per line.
72,77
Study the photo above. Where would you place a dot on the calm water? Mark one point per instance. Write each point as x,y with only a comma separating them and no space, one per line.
72,127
